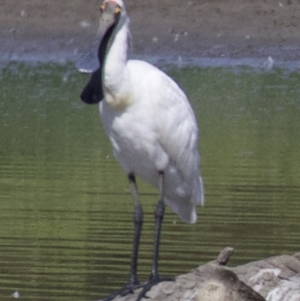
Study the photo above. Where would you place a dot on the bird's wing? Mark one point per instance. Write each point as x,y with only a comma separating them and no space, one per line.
178,137
168,121
173,122
177,127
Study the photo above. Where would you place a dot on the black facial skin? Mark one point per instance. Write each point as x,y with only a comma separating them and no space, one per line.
93,91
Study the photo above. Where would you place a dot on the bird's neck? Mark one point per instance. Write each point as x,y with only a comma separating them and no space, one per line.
114,72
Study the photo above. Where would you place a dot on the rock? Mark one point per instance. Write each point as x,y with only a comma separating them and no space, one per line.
276,279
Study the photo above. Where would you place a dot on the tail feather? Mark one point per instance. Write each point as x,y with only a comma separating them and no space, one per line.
200,200
186,209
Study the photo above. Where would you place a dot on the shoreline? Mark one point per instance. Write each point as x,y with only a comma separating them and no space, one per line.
64,58
199,33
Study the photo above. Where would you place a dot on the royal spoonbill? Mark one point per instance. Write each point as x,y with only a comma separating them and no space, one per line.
150,124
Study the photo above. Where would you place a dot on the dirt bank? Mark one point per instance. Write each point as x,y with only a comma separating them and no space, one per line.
232,29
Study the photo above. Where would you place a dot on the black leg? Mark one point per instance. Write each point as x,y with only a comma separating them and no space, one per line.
138,223
133,282
159,215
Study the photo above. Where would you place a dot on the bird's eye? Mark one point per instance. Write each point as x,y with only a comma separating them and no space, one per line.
102,8
118,10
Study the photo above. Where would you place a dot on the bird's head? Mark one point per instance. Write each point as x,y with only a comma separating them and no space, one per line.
112,16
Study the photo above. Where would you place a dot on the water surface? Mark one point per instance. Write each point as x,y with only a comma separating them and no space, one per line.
66,211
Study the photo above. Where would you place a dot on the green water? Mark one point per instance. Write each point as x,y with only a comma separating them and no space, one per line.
65,208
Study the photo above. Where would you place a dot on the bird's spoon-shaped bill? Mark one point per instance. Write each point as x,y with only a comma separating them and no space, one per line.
90,60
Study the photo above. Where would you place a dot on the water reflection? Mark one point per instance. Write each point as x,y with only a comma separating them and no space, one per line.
65,218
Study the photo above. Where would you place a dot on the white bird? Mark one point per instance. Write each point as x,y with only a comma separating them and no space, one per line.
150,124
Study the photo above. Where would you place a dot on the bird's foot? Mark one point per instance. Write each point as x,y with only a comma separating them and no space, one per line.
131,287
125,290
148,285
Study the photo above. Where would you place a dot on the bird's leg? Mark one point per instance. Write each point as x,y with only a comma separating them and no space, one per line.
138,223
159,215
133,282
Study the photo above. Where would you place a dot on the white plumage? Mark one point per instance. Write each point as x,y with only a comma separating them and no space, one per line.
151,125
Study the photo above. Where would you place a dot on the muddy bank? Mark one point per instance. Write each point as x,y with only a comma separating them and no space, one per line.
169,29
